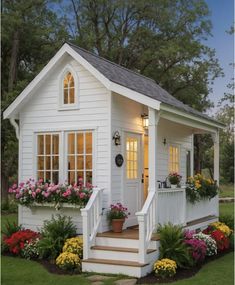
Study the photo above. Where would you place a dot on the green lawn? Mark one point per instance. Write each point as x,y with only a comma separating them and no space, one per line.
226,190
226,209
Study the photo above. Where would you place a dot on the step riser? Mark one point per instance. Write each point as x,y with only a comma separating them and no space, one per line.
117,269
127,243
120,255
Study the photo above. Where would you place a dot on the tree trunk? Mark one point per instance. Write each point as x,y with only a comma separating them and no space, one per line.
13,61
4,189
197,154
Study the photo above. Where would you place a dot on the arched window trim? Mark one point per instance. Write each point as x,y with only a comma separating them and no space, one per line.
75,105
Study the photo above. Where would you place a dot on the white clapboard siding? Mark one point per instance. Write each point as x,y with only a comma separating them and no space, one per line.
41,114
126,116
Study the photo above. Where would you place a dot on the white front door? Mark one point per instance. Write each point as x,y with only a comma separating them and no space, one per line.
132,176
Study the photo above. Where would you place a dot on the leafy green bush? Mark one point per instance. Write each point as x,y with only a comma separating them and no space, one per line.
172,245
10,228
54,234
228,220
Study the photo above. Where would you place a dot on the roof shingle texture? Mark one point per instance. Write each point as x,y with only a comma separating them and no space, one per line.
135,81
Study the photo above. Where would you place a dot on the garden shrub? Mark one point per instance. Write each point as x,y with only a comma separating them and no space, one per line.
197,249
222,241
30,250
10,228
172,245
227,220
74,245
211,247
17,240
54,234
165,268
68,261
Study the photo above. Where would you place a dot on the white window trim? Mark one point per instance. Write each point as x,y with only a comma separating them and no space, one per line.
168,153
75,105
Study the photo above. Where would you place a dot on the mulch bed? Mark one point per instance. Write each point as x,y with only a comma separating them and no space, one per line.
149,279
180,272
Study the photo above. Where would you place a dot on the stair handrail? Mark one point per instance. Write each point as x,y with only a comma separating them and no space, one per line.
147,219
91,220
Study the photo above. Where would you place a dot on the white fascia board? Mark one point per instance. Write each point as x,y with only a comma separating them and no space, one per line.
19,101
189,119
135,96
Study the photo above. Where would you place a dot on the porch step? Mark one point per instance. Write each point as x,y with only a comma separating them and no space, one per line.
119,249
129,268
114,262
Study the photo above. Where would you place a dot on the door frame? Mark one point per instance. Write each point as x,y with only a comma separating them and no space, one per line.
140,168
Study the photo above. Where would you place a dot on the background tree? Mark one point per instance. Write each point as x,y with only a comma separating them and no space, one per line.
31,33
226,115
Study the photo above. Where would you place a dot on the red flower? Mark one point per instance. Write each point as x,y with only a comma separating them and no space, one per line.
17,240
222,241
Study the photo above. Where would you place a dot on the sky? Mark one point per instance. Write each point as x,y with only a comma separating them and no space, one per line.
222,18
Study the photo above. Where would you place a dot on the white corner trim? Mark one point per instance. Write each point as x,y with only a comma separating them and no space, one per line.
16,127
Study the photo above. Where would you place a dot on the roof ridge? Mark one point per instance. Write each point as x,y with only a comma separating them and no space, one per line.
113,63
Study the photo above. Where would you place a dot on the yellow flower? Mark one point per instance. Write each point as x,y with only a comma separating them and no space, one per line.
222,227
68,260
74,245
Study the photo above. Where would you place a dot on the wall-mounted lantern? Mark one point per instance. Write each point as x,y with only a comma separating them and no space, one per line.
164,141
117,138
145,120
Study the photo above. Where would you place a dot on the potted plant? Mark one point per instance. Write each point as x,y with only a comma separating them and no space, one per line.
116,216
174,179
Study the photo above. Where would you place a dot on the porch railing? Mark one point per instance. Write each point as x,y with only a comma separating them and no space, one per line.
147,219
91,219
171,206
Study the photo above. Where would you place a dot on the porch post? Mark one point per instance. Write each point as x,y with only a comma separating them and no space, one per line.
153,122
215,138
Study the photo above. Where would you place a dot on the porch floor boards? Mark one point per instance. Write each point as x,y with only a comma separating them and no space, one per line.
133,232
129,233
201,220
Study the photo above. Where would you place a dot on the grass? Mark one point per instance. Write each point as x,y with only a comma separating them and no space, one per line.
226,209
226,190
17,271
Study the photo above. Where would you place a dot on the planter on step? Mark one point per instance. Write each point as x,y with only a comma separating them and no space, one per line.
117,225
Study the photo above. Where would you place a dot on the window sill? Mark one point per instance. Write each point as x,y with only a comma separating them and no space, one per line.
67,108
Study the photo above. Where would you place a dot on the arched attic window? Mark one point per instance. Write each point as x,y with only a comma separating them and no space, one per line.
68,89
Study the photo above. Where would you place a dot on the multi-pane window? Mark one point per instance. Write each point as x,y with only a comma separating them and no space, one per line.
79,156
131,158
48,157
173,158
69,88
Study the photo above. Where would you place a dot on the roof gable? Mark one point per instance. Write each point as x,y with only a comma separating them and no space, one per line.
114,77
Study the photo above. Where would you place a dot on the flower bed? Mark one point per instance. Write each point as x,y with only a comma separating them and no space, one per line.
33,193
199,188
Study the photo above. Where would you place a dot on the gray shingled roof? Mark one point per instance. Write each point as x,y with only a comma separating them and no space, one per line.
137,82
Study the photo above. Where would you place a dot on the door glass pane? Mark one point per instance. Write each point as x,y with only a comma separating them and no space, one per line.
80,142
132,158
40,144
71,143
88,143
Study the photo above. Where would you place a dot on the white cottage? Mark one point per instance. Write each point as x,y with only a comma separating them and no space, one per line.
78,118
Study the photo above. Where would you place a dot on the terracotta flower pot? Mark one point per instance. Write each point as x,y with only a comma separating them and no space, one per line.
117,225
